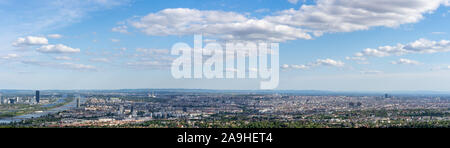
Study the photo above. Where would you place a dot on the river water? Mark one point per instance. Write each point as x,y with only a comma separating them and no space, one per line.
68,106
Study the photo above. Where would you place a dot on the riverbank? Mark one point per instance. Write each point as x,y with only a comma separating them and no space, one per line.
32,111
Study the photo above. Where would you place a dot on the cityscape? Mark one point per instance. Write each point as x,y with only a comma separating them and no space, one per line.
233,64
179,108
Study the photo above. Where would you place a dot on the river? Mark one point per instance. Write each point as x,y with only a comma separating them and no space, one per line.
68,106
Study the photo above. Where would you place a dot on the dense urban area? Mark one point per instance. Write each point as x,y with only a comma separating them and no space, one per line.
220,109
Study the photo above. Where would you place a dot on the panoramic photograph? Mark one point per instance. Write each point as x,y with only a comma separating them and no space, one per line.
225,64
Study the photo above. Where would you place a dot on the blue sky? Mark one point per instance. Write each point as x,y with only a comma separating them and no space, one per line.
343,45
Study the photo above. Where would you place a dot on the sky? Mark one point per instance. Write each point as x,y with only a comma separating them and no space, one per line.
338,45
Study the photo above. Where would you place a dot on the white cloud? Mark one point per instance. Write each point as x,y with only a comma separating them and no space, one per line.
78,66
63,58
384,51
420,46
353,15
223,25
57,49
427,46
328,62
406,62
319,62
297,67
30,41
301,67
54,36
102,60
357,58
325,16
65,65
10,56
148,65
120,29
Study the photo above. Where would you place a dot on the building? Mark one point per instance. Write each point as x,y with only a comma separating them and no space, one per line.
152,95
121,110
387,96
78,103
12,101
133,111
38,97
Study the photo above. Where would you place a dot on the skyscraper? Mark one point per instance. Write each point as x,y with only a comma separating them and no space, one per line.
38,96
1,99
78,103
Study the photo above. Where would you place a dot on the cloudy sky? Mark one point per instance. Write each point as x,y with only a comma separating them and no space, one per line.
344,45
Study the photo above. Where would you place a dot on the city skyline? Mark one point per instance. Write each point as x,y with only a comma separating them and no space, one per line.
335,45
221,109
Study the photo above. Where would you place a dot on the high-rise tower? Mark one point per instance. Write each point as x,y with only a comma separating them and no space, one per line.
38,97
78,103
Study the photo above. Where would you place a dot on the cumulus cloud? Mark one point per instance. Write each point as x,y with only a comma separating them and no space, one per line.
328,62
220,24
406,62
420,46
57,49
353,15
30,41
325,16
